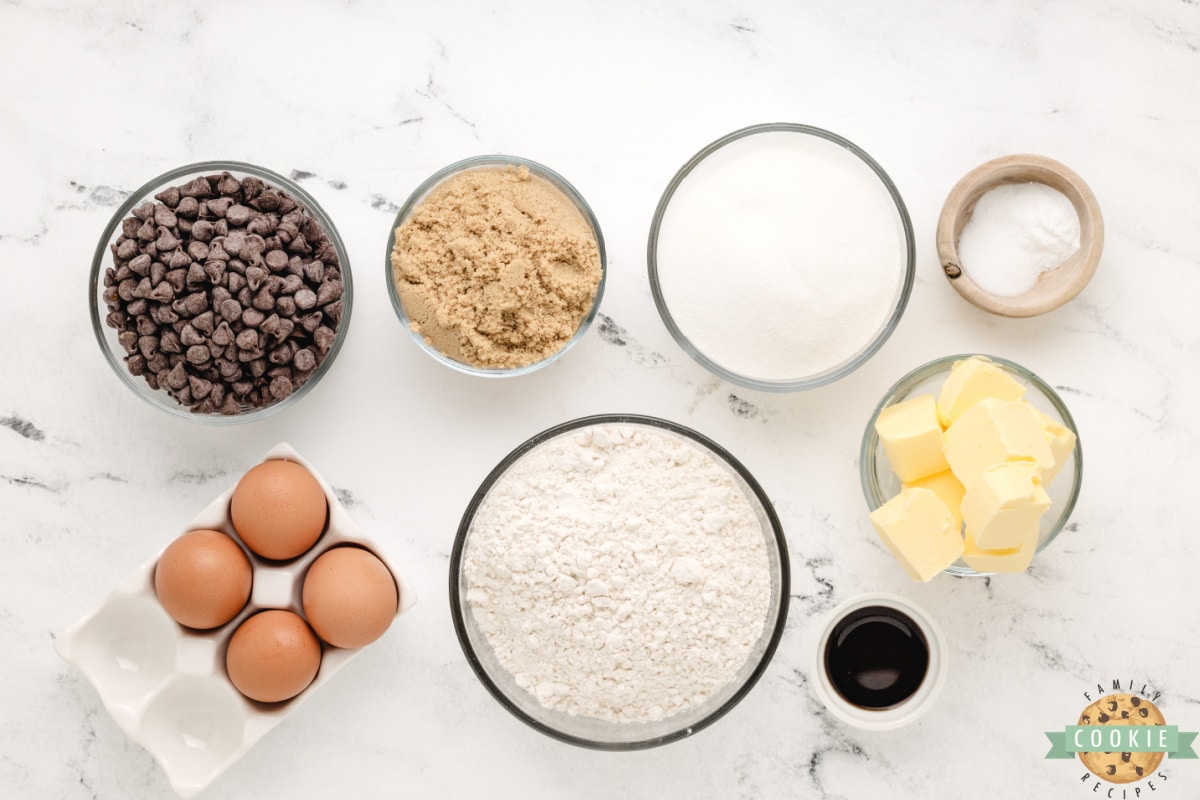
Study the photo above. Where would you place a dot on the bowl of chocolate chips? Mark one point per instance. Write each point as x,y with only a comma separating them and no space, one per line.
220,292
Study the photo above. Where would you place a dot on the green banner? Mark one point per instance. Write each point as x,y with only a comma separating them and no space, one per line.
1122,739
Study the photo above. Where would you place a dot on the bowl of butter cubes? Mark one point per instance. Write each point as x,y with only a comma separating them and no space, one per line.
971,465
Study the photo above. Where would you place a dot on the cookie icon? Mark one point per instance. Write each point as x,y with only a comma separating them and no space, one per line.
1121,709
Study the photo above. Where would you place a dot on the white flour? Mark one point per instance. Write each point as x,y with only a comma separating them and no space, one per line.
1017,232
619,572
781,256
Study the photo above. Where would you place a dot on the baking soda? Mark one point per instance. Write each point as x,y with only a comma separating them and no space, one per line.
1017,232
781,256
619,572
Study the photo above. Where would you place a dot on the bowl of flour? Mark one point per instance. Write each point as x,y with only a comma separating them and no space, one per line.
781,257
619,582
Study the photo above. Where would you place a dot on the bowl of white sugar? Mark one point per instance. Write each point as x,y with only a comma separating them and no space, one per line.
619,582
781,257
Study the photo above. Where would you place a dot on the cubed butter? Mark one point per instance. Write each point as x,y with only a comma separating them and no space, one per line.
912,438
947,487
1016,559
1004,506
919,530
1061,440
970,381
991,432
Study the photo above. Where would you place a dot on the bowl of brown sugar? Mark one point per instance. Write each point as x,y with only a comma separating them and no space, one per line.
496,266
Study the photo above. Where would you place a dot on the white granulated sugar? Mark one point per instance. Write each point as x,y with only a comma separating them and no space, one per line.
619,572
1016,232
781,256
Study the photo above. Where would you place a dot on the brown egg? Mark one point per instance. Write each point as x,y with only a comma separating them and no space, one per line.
273,656
278,509
203,579
349,597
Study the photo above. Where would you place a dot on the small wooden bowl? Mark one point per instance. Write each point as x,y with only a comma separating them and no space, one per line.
1055,286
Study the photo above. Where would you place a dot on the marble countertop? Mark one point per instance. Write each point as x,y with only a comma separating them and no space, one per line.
360,101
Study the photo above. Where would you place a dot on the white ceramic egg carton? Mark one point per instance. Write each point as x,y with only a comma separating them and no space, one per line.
166,685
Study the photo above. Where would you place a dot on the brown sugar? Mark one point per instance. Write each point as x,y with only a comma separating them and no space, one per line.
496,268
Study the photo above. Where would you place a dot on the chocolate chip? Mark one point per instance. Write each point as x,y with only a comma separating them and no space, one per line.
299,244
147,232
305,299
143,289
329,291
281,387
229,184
281,354
247,339
203,231
178,259
165,217
255,277
1138,770
252,317
263,224
220,206
144,211
292,284
128,341
231,310
251,187
1143,712
198,187
136,307
286,306
158,271
190,336
215,270
177,377
1135,701
129,227
169,197
276,260
198,354
304,360
127,249
163,293
147,345
267,201
238,214
1112,705
314,272
334,312
1111,769
196,276
324,339
1103,718
195,303
253,248
1125,757
264,300
188,208
311,322
178,279
169,342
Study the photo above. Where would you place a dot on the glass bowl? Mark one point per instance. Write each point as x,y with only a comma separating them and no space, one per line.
796,382
106,336
590,731
880,484
495,162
